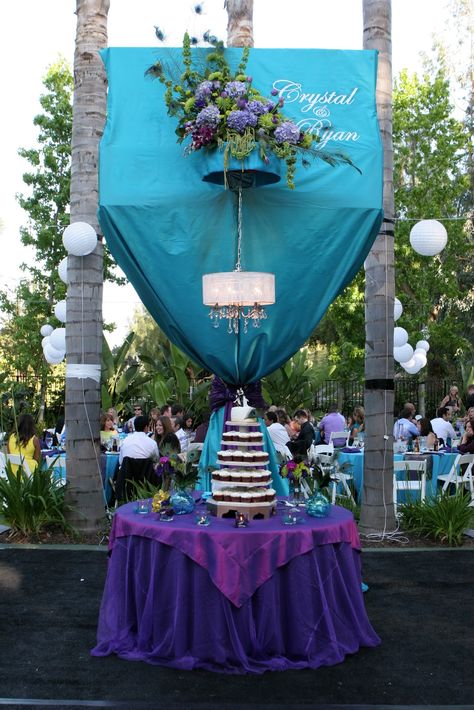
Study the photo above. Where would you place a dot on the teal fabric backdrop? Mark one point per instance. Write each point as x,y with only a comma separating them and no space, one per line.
166,228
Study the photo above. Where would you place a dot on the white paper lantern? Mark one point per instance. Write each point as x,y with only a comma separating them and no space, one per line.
404,353
79,239
45,341
413,369
397,309
53,356
423,344
400,337
60,311
410,363
428,237
62,270
46,329
58,338
420,359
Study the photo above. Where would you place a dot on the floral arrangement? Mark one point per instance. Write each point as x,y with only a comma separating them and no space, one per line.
298,471
178,470
217,108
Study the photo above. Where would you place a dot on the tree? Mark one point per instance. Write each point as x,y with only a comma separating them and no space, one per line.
377,510
431,180
240,23
85,274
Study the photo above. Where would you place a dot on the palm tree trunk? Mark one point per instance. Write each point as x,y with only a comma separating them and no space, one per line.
240,23
85,274
377,513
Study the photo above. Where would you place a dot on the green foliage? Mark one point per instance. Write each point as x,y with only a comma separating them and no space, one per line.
444,518
122,379
349,504
432,179
292,386
140,490
31,504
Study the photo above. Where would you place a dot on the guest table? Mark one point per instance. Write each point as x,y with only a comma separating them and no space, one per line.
57,458
234,600
440,461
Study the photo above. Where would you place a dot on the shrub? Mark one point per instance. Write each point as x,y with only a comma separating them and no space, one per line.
444,518
31,504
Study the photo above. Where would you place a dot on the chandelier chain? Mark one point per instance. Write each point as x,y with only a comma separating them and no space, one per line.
238,265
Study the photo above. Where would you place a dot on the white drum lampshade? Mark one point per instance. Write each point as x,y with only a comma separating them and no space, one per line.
60,311
58,339
79,239
62,270
239,288
397,309
424,344
403,353
428,237
400,337
46,330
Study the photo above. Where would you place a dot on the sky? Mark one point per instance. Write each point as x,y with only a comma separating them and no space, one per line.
34,33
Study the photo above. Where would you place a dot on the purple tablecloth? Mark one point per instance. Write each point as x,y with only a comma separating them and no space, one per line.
267,597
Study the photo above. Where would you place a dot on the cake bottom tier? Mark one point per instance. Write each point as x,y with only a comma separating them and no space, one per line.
264,509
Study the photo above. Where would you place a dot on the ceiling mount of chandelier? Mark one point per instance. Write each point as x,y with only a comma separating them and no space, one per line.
238,295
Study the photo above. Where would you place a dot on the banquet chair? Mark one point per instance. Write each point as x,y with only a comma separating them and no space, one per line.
325,455
18,460
460,474
340,436
133,471
415,479
321,453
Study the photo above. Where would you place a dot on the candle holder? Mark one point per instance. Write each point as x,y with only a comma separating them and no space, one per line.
203,518
143,507
241,520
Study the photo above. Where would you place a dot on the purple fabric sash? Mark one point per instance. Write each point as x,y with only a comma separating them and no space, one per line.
221,393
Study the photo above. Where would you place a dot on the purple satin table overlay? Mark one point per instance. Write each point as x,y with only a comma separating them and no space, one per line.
266,597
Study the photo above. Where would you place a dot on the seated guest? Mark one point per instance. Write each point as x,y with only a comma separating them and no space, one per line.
165,410
177,424
333,421
177,410
138,445
285,420
165,436
305,437
467,442
442,427
278,433
107,429
129,426
154,416
24,442
201,429
470,397
358,423
425,429
114,416
404,427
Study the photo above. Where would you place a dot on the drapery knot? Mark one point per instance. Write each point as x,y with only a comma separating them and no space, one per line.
222,393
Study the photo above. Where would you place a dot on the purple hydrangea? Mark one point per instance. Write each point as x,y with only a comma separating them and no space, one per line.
235,89
258,107
203,90
287,132
208,116
239,120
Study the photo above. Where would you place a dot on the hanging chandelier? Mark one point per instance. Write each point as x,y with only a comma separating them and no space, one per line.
238,295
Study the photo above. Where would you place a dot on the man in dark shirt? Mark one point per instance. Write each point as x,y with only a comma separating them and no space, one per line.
305,438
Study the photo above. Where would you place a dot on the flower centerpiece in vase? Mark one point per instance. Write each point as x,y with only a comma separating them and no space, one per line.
305,480
220,109
179,474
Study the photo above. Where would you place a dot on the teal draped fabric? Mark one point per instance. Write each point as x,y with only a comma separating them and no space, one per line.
212,445
166,228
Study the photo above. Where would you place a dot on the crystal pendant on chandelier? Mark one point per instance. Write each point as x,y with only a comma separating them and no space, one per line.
238,295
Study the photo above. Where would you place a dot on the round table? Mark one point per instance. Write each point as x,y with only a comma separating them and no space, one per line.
235,600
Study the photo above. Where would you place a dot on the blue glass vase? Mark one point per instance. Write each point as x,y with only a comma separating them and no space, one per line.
318,505
182,501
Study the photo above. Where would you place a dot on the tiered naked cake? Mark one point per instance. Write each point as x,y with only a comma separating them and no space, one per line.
243,483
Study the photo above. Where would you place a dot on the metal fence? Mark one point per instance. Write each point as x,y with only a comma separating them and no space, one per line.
426,396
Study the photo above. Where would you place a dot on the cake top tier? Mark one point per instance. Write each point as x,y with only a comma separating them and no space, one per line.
239,414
